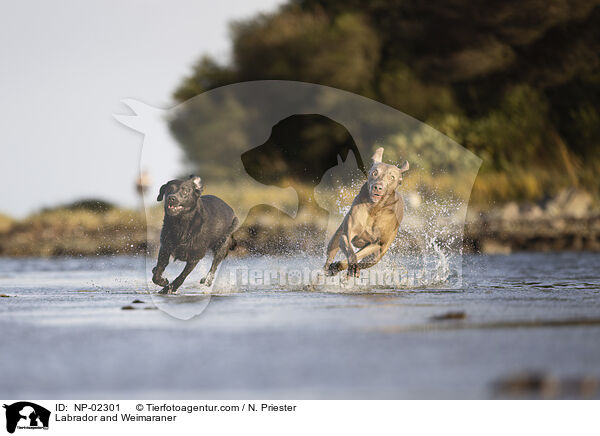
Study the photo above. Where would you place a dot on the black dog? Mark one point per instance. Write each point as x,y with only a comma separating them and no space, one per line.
193,225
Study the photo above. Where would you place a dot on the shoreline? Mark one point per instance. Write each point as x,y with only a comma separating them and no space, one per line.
496,236
482,236
566,222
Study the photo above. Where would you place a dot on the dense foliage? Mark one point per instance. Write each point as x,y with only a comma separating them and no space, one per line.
517,82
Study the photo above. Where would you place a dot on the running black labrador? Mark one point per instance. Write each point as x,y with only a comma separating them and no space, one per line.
193,225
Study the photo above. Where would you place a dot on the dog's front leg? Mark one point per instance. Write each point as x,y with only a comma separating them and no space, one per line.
172,287
352,226
345,234
332,249
348,250
159,269
383,248
360,254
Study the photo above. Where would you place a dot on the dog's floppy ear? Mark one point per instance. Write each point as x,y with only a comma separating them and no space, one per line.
378,156
198,186
404,167
161,193
163,188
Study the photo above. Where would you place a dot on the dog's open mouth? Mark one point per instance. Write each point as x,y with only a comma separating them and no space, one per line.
174,208
375,196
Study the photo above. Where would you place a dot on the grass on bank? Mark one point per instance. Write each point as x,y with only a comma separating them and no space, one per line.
73,231
532,185
95,228
6,222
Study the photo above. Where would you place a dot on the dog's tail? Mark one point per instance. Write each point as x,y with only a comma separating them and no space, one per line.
233,242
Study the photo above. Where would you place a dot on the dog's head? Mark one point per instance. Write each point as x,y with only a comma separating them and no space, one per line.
383,178
181,196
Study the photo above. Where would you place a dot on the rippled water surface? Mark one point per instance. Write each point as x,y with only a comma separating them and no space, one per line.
64,333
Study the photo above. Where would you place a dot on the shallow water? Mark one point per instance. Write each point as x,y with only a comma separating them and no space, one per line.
65,334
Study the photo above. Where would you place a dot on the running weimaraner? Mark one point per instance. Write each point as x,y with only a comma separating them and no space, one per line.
373,221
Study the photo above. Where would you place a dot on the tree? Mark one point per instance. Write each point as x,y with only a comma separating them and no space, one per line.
516,78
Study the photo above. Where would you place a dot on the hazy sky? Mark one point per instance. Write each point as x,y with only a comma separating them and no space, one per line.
64,67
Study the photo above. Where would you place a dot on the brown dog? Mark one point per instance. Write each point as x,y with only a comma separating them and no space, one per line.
373,221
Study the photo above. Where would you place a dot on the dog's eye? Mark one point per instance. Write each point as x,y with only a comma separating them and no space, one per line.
374,173
392,178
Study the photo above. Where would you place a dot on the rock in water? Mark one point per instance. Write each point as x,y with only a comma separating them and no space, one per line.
449,315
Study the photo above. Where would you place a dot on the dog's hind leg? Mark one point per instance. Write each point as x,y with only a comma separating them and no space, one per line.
220,254
159,269
172,287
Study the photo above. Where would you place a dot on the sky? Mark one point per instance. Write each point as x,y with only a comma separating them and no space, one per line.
65,67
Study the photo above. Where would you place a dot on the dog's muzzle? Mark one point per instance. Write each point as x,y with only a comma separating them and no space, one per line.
376,192
173,205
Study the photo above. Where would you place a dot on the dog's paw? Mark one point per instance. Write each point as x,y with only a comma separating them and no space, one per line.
207,281
168,289
160,281
332,269
353,270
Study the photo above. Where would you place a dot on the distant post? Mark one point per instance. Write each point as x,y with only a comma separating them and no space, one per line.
142,184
